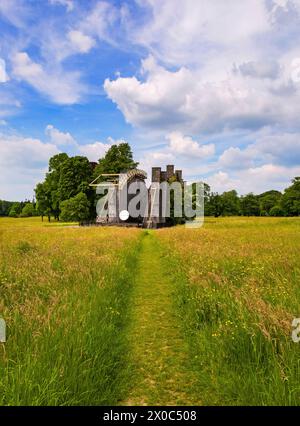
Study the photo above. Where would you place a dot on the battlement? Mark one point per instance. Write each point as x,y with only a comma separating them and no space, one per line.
159,175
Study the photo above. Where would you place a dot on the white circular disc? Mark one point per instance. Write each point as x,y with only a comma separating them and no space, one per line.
124,215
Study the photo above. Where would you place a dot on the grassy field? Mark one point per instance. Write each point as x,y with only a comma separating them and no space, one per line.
238,289
64,296
174,316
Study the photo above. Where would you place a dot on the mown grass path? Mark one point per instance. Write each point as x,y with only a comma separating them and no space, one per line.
160,373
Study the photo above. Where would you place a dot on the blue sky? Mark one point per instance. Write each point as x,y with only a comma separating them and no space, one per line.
211,86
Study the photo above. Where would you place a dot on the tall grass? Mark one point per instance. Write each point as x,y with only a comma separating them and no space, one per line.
237,284
64,294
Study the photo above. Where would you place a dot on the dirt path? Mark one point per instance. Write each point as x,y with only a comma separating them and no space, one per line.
160,374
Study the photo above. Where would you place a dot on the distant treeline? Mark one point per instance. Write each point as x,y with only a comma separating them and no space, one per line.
270,203
65,193
18,208
5,207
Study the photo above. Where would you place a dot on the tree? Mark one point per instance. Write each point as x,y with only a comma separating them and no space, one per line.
117,159
16,209
56,161
276,211
230,203
268,200
208,211
290,201
28,210
76,173
250,205
5,207
43,198
67,177
52,181
216,204
75,209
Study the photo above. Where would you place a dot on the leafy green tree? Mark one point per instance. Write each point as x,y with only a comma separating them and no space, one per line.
216,204
47,192
208,211
67,177
28,210
290,201
16,209
276,211
117,159
52,181
230,203
5,207
75,209
43,198
13,211
267,201
76,174
250,205
56,162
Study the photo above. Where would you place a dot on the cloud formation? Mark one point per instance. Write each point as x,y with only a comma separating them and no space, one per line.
185,101
60,88
80,41
215,86
59,138
186,146
23,163
94,151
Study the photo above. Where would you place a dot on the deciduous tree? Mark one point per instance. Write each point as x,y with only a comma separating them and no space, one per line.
75,209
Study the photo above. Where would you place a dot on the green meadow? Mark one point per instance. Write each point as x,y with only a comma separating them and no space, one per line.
124,316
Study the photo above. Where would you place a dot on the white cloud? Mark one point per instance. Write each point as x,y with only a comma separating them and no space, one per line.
8,103
113,141
220,182
60,87
81,42
3,76
66,3
59,138
210,68
186,146
256,179
23,162
94,151
17,151
202,40
181,32
157,101
100,21
182,100
266,161
58,45
235,158
14,11
281,148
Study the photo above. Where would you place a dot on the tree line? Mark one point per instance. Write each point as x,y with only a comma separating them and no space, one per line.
25,208
269,203
65,193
